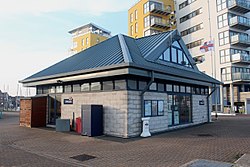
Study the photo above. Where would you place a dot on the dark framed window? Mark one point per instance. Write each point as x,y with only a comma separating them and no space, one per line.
153,108
120,85
142,85
67,88
85,87
76,88
169,87
132,84
107,85
221,4
161,87
95,86
153,86
190,15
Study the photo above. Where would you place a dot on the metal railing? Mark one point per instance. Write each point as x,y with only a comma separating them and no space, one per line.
240,38
243,3
239,20
158,7
241,57
241,76
160,22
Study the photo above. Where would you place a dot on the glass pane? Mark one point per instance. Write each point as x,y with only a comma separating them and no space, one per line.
167,55
59,89
120,85
160,87
76,88
154,108
153,86
85,87
67,89
147,108
142,85
174,55
95,86
169,87
160,108
132,84
180,59
107,85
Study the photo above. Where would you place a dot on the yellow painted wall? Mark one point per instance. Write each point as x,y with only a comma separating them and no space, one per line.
140,21
92,40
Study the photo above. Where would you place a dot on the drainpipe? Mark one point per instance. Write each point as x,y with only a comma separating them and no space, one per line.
143,91
208,115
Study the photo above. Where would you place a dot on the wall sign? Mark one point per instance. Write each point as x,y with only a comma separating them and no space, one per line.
201,102
68,101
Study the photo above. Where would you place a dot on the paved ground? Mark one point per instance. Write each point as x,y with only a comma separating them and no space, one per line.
224,140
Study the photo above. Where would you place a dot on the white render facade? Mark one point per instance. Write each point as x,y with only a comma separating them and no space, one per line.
226,22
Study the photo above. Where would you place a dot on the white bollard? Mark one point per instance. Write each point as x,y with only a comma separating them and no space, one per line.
145,127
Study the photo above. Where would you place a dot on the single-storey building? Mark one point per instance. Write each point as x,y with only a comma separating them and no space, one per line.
153,76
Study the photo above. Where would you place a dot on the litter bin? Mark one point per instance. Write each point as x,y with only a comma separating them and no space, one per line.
79,125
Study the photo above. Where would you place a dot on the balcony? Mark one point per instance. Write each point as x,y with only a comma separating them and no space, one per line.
241,6
240,22
160,9
160,23
241,58
241,76
240,40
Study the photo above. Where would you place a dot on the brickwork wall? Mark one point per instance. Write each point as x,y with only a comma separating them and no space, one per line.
114,107
25,112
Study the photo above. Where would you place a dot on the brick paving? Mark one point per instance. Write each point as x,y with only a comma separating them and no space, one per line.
224,140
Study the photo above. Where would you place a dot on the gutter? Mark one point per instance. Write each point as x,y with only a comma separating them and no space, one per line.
143,92
208,115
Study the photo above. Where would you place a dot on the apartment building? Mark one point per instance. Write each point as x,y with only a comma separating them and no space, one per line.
86,36
225,24
149,17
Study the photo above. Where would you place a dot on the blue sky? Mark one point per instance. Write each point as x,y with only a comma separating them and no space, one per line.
34,34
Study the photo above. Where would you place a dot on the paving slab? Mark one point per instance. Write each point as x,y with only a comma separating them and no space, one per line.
243,161
207,163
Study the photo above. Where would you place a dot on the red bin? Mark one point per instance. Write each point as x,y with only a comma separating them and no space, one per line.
79,125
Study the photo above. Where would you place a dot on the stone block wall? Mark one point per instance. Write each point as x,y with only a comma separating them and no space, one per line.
115,108
200,111
157,124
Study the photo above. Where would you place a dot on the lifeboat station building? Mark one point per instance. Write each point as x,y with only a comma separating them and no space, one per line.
151,77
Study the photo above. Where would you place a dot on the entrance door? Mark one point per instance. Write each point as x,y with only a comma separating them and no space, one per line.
54,109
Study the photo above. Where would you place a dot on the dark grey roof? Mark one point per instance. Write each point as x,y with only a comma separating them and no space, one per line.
121,50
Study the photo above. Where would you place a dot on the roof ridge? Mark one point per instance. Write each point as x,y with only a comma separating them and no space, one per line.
125,50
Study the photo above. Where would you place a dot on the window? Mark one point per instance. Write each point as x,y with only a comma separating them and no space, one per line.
82,42
52,89
59,89
132,84
185,3
146,22
153,108
136,27
120,85
76,88
224,38
131,17
85,87
153,86
190,15
188,89
169,87
183,89
221,4
226,74
67,88
176,88
95,86
146,7
87,41
131,30
222,20
192,29
161,87
194,44
39,90
107,85
136,14
225,56
174,55
142,85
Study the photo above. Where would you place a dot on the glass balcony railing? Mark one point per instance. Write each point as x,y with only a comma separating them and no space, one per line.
240,57
242,3
241,76
160,9
239,20
161,23
240,38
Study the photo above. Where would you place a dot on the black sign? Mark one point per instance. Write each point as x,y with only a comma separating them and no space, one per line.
201,102
68,101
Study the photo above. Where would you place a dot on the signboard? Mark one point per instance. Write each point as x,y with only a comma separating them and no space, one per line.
68,101
201,103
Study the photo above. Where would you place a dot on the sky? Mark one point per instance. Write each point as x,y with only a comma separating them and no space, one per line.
34,33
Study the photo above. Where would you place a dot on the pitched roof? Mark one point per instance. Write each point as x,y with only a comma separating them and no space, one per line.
122,50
